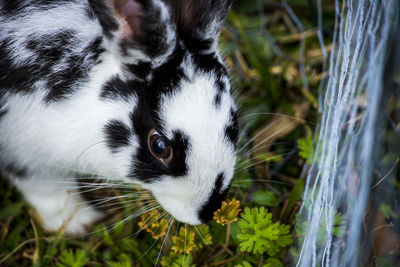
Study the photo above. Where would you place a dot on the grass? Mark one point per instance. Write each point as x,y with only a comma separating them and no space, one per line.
276,67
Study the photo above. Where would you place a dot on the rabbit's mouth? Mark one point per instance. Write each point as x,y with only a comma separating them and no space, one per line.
182,212
193,204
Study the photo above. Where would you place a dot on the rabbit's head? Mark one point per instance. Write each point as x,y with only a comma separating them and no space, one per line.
185,120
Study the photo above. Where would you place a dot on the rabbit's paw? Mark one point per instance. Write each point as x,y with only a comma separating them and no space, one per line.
59,209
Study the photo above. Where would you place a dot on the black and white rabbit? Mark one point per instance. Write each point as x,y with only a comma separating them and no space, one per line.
131,90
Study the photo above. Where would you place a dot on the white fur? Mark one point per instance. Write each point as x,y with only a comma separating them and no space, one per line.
57,204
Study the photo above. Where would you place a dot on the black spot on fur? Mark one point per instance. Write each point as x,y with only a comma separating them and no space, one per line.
167,76
14,169
51,48
77,66
49,51
2,112
180,146
214,201
11,7
196,45
218,94
18,79
210,63
117,135
232,130
90,13
102,11
141,69
217,99
220,86
115,88
14,7
165,80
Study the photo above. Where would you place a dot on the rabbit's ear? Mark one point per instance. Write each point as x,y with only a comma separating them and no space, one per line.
199,21
131,15
147,27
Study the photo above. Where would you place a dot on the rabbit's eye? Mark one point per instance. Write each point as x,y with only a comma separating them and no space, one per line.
159,148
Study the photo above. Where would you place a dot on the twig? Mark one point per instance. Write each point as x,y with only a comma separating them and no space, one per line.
16,249
219,263
35,256
383,226
261,261
228,229
386,175
7,226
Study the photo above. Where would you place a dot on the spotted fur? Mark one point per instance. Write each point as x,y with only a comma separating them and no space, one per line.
82,83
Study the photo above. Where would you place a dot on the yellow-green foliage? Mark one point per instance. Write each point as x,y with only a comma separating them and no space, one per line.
228,212
258,234
70,258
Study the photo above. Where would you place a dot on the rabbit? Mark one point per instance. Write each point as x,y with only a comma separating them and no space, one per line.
133,91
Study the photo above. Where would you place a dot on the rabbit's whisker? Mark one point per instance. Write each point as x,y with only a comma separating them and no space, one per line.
165,238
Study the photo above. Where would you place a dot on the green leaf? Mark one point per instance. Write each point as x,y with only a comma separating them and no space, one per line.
306,149
387,261
184,261
14,238
273,262
258,234
184,241
70,259
122,264
387,210
118,228
167,261
265,198
202,236
177,260
107,238
294,197
9,210
244,264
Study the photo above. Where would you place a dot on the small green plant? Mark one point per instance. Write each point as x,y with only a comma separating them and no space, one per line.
271,262
306,149
258,234
203,236
70,258
152,223
177,260
387,210
184,241
243,264
228,212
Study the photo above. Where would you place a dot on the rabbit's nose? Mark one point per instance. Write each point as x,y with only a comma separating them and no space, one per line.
214,201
